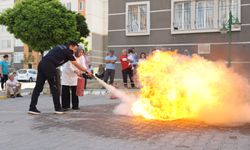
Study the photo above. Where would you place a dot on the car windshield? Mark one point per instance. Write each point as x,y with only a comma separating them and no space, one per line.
22,71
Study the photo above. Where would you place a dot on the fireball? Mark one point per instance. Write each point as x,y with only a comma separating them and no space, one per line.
180,87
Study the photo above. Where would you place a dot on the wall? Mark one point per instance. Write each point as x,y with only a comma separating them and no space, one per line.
4,34
97,16
161,37
96,13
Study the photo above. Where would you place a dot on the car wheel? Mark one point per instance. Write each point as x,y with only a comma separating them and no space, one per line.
30,80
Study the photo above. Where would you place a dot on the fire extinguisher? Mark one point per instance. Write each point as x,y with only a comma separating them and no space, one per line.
80,86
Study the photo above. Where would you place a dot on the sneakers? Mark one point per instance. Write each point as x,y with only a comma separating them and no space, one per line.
75,108
59,111
34,112
12,96
37,112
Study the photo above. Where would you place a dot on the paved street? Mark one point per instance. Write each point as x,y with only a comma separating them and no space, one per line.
95,127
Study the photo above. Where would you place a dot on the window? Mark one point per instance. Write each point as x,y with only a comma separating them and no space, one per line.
5,44
81,6
32,72
18,57
137,18
22,71
182,15
204,14
224,8
68,6
190,16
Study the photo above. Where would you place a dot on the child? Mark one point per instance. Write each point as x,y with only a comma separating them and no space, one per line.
13,87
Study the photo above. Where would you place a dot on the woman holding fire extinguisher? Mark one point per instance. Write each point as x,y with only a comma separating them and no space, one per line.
70,75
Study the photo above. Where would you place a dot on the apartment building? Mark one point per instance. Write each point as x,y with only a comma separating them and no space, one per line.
17,50
181,24
96,13
7,41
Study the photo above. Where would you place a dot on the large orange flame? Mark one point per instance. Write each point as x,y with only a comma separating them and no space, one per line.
177,87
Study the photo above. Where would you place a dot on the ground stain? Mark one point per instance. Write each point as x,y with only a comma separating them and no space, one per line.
99,120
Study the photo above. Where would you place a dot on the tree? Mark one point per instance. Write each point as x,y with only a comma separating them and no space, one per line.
42,24
82,26
85,44
28,59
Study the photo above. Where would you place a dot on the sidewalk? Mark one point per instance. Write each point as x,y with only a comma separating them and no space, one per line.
95,127
26,92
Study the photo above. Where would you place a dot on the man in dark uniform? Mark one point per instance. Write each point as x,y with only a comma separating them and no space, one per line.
47,71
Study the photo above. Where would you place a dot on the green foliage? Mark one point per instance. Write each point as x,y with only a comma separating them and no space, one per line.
85,43
43,24
82,26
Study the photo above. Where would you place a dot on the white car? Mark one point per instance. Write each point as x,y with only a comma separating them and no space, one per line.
27,75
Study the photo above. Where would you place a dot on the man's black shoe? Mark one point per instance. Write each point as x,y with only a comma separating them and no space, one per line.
75,108
34,111
59,111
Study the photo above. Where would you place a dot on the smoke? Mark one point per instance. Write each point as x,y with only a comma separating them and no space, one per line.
124,108
179,87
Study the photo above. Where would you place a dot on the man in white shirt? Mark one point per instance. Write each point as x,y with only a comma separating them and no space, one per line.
13,87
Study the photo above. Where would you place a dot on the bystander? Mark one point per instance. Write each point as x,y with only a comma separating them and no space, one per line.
110,67
126,69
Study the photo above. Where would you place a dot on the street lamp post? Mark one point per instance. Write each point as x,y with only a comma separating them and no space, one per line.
227,29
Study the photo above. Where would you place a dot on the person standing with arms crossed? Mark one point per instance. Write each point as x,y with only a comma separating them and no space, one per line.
110,67
4,71
47,71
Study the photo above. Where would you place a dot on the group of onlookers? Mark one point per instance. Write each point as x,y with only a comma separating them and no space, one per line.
128,60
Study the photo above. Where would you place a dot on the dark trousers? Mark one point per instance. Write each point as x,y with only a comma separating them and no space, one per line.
66,97
3,80
46,71
109,74
128,73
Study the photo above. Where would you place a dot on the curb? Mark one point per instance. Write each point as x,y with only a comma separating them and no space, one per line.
97,92
105,92
4,97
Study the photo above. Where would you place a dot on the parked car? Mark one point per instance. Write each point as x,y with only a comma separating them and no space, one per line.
27,75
